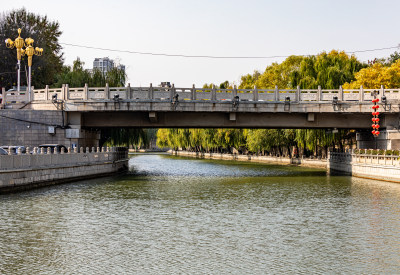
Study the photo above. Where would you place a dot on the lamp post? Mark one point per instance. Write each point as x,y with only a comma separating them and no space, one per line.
19,44
30,51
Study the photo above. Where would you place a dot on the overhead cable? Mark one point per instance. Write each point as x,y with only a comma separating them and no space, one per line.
212,56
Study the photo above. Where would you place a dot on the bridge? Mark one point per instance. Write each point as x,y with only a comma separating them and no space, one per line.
83,111
201,107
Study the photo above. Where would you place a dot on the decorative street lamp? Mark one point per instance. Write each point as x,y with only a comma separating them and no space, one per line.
30,51
18,43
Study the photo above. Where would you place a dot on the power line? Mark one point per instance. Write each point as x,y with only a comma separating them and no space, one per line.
212,56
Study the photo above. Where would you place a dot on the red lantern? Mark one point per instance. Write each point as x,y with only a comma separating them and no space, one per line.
377,133
373,132
376,126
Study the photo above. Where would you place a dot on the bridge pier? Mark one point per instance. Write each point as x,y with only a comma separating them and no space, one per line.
388,139
79,136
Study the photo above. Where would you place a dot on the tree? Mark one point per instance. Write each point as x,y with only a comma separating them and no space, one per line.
77,76
375,76
45,33
249,80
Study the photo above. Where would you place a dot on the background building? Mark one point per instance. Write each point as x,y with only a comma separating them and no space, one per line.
104,64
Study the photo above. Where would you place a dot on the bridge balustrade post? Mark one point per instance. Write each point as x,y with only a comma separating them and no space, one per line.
151,92
86,92
276,93
234,92
255,93
193,95
107,92
46,91
128,91
361,94
319,95
340,95
3,90
213,93
172,92
382,91
63,91
66,92
298,94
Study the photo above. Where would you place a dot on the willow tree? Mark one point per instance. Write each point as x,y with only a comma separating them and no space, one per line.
131,137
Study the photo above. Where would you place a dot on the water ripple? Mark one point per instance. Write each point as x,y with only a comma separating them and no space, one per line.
179,216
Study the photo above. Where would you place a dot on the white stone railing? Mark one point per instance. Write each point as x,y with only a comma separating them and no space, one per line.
352,158
40,157
211,94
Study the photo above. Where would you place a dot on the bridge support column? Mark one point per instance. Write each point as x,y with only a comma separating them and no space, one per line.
388,139
78,136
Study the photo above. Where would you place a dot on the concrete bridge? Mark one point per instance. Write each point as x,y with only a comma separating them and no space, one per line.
197,107
157,107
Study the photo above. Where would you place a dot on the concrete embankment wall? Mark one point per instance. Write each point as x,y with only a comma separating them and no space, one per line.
35,127
19,172
378,167
315,163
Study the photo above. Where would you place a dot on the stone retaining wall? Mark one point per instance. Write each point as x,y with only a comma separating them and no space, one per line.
30,170
315,163
378,167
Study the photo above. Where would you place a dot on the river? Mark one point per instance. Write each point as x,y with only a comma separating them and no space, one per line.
174,215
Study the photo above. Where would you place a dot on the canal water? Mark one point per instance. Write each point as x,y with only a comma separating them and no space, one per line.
174,215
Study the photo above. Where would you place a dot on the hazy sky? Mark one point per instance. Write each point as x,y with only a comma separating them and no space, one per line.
218,28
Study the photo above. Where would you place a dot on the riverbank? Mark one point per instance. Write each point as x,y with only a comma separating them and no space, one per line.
377,167
27,171
312,163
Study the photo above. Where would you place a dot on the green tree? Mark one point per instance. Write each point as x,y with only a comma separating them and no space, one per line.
77,76
375,76
45,33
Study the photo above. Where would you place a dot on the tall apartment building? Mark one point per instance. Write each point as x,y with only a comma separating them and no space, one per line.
104,64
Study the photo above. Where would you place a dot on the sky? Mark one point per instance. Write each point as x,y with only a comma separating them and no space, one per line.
216,28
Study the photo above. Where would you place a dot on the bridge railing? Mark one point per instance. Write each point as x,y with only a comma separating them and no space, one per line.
351,157
212,94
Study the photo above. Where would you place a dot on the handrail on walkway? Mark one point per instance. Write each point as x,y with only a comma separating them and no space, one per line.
193,93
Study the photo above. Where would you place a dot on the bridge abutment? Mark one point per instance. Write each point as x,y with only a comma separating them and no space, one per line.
388,140
34,127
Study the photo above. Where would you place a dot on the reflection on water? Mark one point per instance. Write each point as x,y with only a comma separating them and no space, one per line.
176,215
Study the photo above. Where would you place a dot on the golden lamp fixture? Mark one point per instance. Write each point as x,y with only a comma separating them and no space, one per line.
29,50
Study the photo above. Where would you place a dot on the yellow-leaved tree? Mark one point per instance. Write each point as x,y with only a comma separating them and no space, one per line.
375,76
